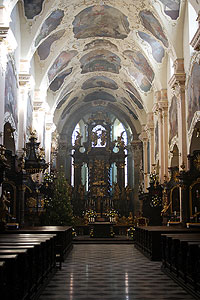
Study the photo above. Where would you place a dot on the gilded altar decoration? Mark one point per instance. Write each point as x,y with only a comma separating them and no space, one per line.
197,162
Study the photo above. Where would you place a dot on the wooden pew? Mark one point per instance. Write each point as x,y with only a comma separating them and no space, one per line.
181,260
148,239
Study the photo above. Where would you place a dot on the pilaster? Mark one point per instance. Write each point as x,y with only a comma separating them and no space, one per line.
144,138
177,83
150,129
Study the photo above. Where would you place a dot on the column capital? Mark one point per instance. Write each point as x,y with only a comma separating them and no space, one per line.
177,81
24,80
3,33
143,136
136,145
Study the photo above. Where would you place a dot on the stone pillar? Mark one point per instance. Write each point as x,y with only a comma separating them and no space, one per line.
121,174
3,63
144,138
24,86
136,149
49,129
150,130
163,106
177,83
40,109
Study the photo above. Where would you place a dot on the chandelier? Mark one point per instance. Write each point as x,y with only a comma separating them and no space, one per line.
34,161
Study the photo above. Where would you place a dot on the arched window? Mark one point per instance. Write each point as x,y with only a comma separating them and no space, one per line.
74,135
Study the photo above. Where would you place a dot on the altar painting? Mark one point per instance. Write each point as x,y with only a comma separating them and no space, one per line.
100,60
11,89
153,25
50,24
45,47
158,51
101,21
61,63
99,81
193,93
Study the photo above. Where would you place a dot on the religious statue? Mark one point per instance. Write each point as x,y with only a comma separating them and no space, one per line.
120,141
94,138
128,191
103,138
78,140
4,207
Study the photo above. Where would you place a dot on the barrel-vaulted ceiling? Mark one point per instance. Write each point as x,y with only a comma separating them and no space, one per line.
110,53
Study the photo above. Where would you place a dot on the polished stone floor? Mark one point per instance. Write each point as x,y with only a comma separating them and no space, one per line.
111,272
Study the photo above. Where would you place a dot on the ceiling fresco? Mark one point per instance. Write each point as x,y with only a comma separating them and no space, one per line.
135,100
133,90
50,24
100,53
100,43
101,21
99,95
158,51
32,8
153,25
145,75
68,107
63,100
171,8
58,81
99,81
100,60
61,63
45,47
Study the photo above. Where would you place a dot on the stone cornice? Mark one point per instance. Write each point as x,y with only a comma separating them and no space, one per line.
3,33
24,79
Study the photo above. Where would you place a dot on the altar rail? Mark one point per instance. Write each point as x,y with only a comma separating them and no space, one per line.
28,259
181,260
148,239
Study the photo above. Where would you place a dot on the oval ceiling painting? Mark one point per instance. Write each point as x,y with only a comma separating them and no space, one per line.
145,75
101,21
158,51
153,25
50,24
101,95
133,90
99,81
58,81
63,100
100,60
45,47
100,43
60,63
32,8
171,8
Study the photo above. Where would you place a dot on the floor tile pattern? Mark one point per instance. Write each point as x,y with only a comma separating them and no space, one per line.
111,272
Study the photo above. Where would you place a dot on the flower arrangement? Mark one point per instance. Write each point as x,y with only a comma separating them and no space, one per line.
130,232
91,214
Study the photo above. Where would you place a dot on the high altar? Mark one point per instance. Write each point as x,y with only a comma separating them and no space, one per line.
99,152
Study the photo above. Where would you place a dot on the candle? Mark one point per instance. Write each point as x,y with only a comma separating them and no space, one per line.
175,212
195,209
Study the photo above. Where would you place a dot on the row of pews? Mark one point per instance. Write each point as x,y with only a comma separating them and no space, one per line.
177,248
28,259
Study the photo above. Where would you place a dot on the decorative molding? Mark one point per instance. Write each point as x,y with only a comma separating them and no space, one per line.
3,33
24,79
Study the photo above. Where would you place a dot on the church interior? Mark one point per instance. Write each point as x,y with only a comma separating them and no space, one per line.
99,149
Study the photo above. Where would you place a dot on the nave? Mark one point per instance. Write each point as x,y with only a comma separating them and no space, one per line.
111,272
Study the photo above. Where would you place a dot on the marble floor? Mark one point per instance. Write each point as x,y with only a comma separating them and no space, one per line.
111,272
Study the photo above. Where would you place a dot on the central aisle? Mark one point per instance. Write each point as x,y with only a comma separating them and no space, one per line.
111,272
